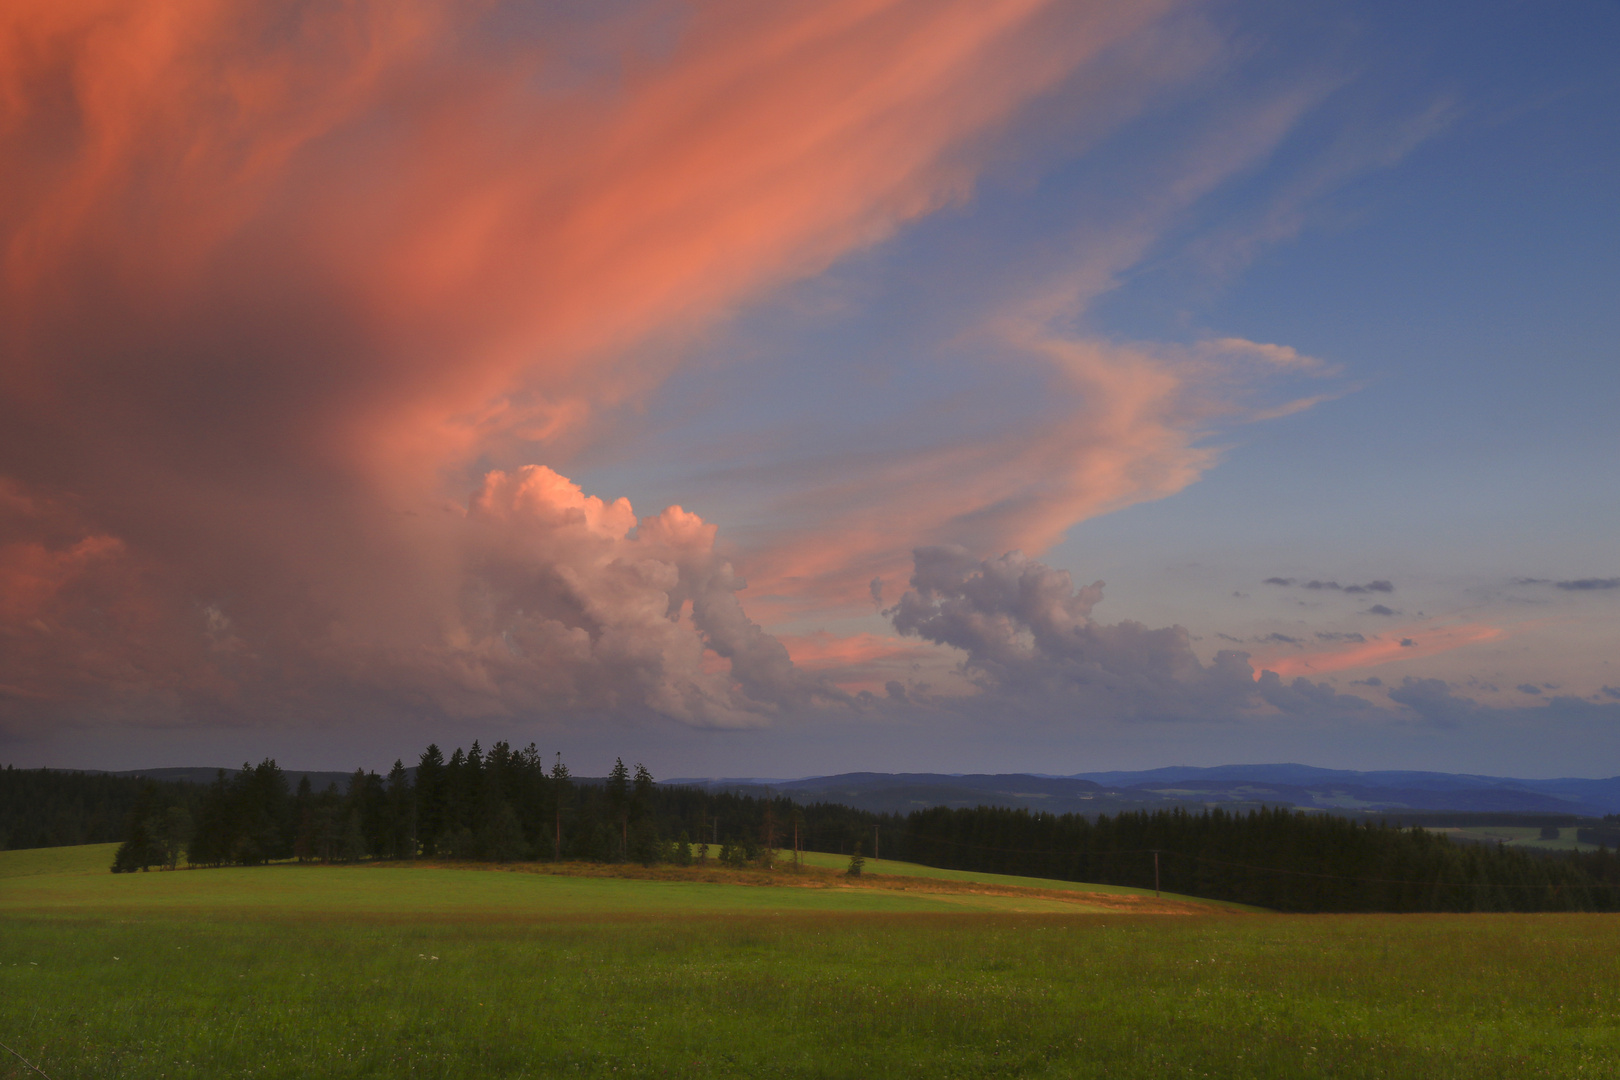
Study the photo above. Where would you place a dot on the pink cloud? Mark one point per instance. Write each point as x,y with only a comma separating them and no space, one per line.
277,281
1124,424
1410,643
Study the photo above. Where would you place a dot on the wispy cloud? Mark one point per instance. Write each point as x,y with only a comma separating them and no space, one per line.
1408,643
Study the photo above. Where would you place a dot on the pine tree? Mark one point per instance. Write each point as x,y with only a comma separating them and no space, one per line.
618,800
430,799
354,839
857,862
560,787
642,831
401,813
170,831
138,851
304,814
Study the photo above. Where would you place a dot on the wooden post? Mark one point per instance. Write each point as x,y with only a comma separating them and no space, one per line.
875,842
557,847
1155,872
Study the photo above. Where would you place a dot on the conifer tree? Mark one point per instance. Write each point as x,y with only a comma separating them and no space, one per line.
401,813
430,799
560,787
170,831
642,831
138,851
304,814
618,802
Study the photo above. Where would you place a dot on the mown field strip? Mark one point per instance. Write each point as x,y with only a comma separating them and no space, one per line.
66,879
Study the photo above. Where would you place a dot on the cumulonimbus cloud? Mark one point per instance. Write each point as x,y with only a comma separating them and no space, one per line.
280,282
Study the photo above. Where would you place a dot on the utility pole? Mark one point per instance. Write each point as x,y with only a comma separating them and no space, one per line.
1155,872
874,842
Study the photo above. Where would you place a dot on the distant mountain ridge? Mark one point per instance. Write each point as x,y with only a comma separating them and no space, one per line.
1237,786
1234,786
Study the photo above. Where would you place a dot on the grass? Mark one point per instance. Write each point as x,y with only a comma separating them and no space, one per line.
889,867
82,884
378,971
33,862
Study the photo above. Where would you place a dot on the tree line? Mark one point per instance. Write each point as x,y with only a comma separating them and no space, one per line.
508,804
51,808
1281,859
502,805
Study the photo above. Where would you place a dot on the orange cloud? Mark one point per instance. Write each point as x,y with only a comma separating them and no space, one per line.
1412,643
278,279
1123,425
869,662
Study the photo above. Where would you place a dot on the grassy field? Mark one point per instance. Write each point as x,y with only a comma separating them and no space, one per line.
382,971
1517,836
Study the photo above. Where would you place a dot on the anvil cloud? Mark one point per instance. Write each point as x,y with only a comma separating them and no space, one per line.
333,335
279,278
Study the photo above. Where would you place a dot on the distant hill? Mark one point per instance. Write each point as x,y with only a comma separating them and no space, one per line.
1233,786
1347,789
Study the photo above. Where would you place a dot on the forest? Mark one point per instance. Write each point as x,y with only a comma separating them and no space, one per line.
505,805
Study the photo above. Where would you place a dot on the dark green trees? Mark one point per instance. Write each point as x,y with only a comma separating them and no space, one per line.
430,800
140,850
857,861
401,814
557,790
246,819
643,830
617,791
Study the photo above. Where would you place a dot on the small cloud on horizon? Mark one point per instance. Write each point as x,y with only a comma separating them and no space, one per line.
1281,638
1378,586
1585,584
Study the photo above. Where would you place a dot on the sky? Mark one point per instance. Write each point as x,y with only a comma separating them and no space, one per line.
774,390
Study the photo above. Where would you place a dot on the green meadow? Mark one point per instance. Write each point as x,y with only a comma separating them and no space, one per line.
377,970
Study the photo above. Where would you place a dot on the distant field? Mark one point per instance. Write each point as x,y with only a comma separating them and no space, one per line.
378,971
1517,836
